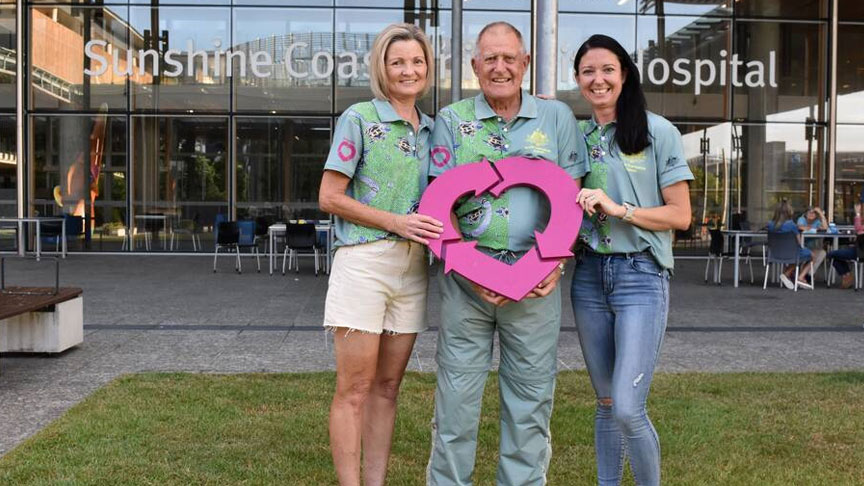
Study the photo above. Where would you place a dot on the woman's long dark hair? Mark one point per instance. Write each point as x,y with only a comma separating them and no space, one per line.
631,132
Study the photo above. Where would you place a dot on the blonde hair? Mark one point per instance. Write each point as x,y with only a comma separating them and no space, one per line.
378,66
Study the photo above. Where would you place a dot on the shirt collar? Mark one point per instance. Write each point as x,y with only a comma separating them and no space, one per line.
528,109
387,114
592,125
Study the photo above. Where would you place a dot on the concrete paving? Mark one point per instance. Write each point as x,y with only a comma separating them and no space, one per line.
172,313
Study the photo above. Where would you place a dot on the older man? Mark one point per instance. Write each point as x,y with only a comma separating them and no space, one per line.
503,121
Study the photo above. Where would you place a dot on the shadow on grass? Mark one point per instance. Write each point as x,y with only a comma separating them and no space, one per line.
262,429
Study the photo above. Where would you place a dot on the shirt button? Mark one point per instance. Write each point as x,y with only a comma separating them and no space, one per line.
505,129
500,119
603,137
506,147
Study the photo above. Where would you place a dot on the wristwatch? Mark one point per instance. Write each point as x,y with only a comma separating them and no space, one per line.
628,212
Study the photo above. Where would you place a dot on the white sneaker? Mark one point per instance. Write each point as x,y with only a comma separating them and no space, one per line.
786,281
805,285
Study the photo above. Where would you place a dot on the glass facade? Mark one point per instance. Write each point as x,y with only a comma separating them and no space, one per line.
157,118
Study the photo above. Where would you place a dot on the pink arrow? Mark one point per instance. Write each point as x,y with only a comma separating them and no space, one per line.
565,215
512,281
443,192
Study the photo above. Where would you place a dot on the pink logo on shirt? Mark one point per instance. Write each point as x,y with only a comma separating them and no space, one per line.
346,150
440,156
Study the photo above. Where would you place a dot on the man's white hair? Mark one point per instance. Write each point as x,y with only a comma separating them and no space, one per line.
500,23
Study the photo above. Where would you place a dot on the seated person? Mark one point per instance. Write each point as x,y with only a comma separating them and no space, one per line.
811,221
782,223
841,257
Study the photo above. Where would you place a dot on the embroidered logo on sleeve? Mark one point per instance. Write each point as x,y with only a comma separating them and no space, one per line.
440,156
347,151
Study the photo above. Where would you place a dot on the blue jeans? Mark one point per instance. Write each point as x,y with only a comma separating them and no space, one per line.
621,304
841,258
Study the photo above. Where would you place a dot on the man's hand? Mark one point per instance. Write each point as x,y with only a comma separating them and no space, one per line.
491,297
548,284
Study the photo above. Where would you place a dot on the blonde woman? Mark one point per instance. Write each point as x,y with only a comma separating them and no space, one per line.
373,179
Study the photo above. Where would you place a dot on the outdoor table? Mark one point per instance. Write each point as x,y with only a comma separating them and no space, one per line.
323,226
38,222
737,234
154,217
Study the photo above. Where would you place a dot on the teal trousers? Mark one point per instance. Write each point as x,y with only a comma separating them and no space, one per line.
528,338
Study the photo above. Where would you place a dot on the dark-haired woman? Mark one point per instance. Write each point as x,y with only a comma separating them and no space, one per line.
634,196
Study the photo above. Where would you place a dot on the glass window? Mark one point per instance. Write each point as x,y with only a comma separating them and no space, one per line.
303,37
715,189
787,9
780,161
477,4
687,7
182,54
79,58
78,168
851,10
355,32
7,57
684,65
472,23
849,172
600,6
184,2
180,176
286,3
781,74
850,74
279,164
8,168
579,27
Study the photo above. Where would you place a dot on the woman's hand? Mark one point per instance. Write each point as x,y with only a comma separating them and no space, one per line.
416,227
594,200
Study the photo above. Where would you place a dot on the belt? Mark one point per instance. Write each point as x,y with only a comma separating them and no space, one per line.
590,252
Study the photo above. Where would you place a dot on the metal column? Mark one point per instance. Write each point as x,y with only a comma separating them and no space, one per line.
832,112
545,42
19,117
456,52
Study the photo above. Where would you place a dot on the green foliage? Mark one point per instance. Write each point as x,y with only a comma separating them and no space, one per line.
178,429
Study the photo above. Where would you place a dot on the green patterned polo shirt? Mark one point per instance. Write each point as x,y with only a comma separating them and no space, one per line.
386,160
469,130
637,179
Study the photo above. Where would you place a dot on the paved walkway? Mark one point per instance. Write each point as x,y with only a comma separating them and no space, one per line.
171,313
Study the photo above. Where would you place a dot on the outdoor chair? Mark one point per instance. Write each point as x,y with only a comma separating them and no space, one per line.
185,227
716,256
783,249
52,231
228,237
262,228
300,237
248,239
859,262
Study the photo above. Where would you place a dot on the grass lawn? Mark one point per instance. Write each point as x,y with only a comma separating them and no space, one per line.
749,429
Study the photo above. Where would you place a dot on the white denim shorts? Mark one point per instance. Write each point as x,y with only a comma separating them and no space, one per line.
378,287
